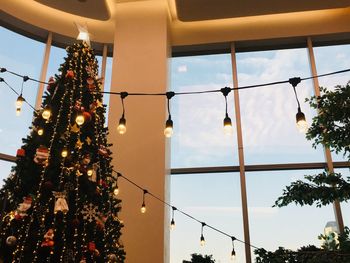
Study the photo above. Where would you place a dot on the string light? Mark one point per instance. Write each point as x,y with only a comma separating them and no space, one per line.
90,171
143,207
300,116
64,152
227,120
122,122
202,240
172,223
79,119
46,113
19,103
168,131
40,131
233,253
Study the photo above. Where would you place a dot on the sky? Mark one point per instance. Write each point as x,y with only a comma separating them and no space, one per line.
269,136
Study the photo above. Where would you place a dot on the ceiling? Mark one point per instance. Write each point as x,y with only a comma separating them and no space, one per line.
192,23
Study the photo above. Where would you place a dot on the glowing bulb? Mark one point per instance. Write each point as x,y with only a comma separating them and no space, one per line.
40,131
80,119
143,208
18,111
122,126
301,122
202,240
227,125
172,224
46,113
90,171
116,191
64,153
168,131
19,101
233,254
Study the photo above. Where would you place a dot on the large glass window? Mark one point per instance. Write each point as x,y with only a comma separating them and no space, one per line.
215,200
198,138
292,226
268,113
331,59
5,169
24,56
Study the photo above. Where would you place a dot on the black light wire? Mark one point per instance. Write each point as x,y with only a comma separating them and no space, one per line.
182,212
2,70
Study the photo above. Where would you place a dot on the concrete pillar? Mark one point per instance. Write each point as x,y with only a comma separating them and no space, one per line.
140,64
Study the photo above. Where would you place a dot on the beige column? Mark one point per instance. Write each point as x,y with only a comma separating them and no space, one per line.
241,157
140,64
43,71
327,152
103,66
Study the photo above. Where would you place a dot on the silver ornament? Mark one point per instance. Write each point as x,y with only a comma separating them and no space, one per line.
112,258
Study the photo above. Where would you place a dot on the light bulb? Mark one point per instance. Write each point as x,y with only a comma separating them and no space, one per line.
90,171
46,113
227,125
202,240
18,111
143,208
122,126
233,254
116,191
64,152
301,122
172,224
80,119
168,131
40,131
19,101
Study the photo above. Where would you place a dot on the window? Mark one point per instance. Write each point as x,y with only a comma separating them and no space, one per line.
198,138
24,56
268,113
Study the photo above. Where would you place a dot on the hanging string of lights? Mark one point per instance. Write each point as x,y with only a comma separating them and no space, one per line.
172,222
168,131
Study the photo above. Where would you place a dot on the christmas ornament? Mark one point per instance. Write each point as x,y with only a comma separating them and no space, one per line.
77,105
90,212
93,107
21,152
78,144
103,151
88,140
83,260
70,74
100,222
51,85
23,208
87,116
112,258
92,249
61,203
93,176
75,128
48,239
41,156
86,159
90,81
11,241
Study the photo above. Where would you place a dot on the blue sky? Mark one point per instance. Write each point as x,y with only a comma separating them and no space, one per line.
270,136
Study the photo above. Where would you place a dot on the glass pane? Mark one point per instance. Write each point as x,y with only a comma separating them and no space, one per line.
268,113
345,206
5,169
57,56
198,138
331,59
290,227
23,56
215,200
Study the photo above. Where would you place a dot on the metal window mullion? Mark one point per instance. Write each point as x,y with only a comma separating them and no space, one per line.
327,153
241,157
43,71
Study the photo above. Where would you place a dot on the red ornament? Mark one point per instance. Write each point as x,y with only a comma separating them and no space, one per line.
41,155
103,151
70,74
21,153
77,105
92,246
48,238
87,116
51,84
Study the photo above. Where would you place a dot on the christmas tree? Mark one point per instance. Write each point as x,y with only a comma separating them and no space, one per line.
59,203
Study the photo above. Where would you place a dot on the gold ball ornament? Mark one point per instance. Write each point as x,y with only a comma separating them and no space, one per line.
11,241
